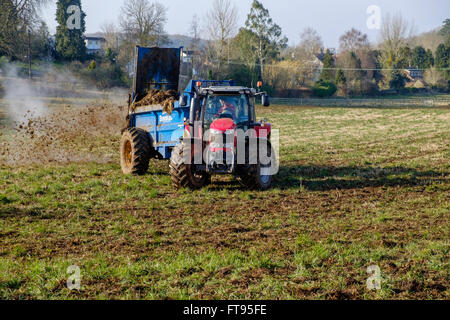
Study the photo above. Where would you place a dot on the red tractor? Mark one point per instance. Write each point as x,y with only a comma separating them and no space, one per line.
222,136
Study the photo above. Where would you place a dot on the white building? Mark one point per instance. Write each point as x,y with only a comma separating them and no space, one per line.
94,45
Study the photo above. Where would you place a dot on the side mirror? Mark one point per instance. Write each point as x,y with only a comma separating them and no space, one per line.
265,100
183,100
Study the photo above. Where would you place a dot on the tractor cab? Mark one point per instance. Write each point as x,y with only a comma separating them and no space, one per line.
222,105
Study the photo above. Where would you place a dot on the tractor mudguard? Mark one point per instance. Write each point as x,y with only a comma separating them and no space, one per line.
263,130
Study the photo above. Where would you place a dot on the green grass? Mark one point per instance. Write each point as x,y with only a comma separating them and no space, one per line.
357,187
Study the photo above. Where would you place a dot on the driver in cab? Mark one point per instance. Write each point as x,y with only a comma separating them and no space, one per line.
227,110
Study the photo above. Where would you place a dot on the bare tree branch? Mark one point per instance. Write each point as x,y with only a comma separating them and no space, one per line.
143,22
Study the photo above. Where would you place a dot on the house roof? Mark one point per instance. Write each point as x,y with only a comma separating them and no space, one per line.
95,38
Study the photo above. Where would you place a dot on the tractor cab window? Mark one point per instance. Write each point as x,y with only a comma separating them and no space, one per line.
233,107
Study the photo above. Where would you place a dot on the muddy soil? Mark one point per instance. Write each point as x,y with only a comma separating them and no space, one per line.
158,97
67,135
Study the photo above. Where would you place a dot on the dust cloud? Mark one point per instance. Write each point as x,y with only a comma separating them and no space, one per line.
56,119
20,97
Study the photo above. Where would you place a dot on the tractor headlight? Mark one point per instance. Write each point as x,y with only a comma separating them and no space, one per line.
214,132
217,145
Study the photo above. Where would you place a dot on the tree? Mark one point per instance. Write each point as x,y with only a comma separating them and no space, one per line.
434,78
283,75
428,40
41,44
268,40
221,23
195,46
324,88
341,81
355,53
310,42
421,58
397,80
354,74
405,58
353,40
69,38
143,22
17,17
243,49
394,33
442,56
340,77
111,35
194,33
111,56
328,73
445,31
305,52
442,60
429,61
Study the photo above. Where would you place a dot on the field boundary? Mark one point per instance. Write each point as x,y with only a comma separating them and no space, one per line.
422,102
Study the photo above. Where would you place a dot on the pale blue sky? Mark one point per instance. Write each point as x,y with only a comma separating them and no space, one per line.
331,18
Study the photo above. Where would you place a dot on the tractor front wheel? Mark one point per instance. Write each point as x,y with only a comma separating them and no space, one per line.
135,151
259,176
183,175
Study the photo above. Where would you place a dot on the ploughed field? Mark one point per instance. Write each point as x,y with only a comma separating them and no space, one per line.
356,188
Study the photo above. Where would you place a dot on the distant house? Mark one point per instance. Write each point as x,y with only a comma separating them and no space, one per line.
413,74
94,45
414,78
317,63
187,66
188,55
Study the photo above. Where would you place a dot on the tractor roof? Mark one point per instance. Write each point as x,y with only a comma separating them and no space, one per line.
227,90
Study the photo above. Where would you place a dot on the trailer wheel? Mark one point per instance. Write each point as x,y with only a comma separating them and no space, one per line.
258,176
135,151
182,175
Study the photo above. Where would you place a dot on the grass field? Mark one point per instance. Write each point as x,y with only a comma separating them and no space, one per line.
357,187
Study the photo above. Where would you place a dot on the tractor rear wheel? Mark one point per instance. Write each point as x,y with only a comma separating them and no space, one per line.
259,176
183,175
135,151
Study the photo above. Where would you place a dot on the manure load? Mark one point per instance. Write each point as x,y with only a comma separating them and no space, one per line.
157,74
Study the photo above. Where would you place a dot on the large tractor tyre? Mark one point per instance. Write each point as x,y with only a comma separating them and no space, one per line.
135,151
259,176
182,175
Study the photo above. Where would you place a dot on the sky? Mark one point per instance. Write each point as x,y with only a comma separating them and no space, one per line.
331,18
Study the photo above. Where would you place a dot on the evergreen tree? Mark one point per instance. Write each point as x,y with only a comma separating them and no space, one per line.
421,58
442,60
340,77
405,58
69,33
429,59
445,31
328,73
268,41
